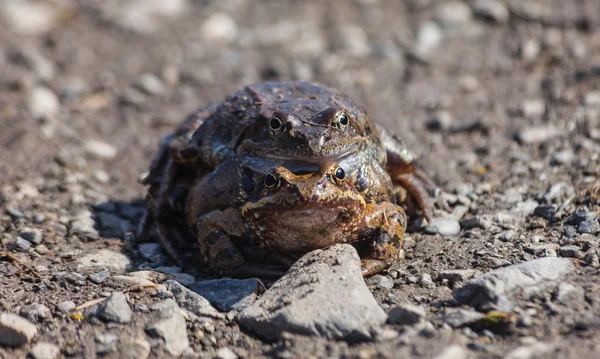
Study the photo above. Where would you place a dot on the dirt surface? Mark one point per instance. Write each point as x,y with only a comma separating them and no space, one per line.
500,99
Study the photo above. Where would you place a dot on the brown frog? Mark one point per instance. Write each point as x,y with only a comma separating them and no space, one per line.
229,146
294,214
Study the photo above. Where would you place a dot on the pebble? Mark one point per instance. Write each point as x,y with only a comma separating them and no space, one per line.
66,306
43,103
457,275
458,318
41,249
110,225
301,301
592,98
192,301
123,281
150,84
494,10
533,108
546,212
581,215
440,121
145,16
453,351
530,351
219,26
99,149
407,314
426,281
570,251
468,83
443,226
43,350
530,49
106,343
153,252
32,235
15,331
70,277
103,259
564,157
84,225
542,250
226,353
495,287
115,309
230,294
172,330
380,281
429,36
21,244
453,14
567,294
525,208
589,226
36,313
537,134
99,277
28,17
36,61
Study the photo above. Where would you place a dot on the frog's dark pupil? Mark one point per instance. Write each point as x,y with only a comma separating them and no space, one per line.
275,123
344,120
340,174
270,180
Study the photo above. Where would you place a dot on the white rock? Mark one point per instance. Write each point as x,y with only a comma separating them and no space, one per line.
219,26
453,13
226,353
533,108
454,351
15,331
29,17
44,350
99,149
429,36
104,258
443,226
43,103
144,16
536,134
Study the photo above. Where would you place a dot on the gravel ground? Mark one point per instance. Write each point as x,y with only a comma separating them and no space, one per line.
499,98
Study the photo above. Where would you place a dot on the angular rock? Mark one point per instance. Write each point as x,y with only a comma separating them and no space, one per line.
497,286
226,353
546,212
191,301
443,226
44,350
15,331
21,244
381,281
567,293
66,306
32,235
406,314
230,294
461,317
457,275
302,301
36,313
103,259
172,330
581,215
589,226
115,309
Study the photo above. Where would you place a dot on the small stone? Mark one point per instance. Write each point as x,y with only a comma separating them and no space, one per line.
429,36
530,351
569,231
453,14
103,259
43,103
230,294
140,349
21,244
457,275
589,226
150,84
494,10
533,108
36,313
426,281
441,121
70,277
592,98
542,250
115,309
191,301
106,343
124,281
564,157
99,277
219,26
66,306
15,331
172,330
226,353
530,49
406,314
144,16
537,134
28,17
546,212
567,294
41,249
36,61
458,318
32,235
84,225
153,252
453,351
99,149
570,251
44,350
581,215
525,208
380,281
443,226
468,83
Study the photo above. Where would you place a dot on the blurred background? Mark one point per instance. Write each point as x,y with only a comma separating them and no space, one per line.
94,85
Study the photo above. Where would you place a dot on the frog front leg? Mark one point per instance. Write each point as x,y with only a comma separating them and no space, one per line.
413,188
385,224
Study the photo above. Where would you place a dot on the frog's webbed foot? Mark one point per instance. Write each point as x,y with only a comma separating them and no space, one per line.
386,224
413,188
214,231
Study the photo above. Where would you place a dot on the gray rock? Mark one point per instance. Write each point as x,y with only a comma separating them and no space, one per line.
564,157
426,281
542,250
84,225
570,251
406,314
497,286
457,318
494,10
99,149
581,215
440,121
36,313
443,226
115,309
21,245
588,226
41,249
537,134
457,275
153,252
429,36
32,235
533,108
530,351
110,225
44,350
15,331
99,277
144,16
191,301
546,212
380,281
301,301
70,277
525,208
106,343
453,14
454,351
138,349
103,259
230,294
567,293
226,353
219,26
66,306
592,98
150,84
43,103
172,330
530,49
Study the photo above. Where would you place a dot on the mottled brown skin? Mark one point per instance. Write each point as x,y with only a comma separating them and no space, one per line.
230,146
295,214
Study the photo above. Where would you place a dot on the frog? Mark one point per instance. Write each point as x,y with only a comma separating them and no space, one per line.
231,145
294,214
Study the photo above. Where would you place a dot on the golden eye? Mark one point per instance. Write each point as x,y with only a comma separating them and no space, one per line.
339,175
341,120
276,125
271,181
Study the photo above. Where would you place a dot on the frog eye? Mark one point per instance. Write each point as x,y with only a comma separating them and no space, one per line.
276,125
271,181
339,175
341,120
